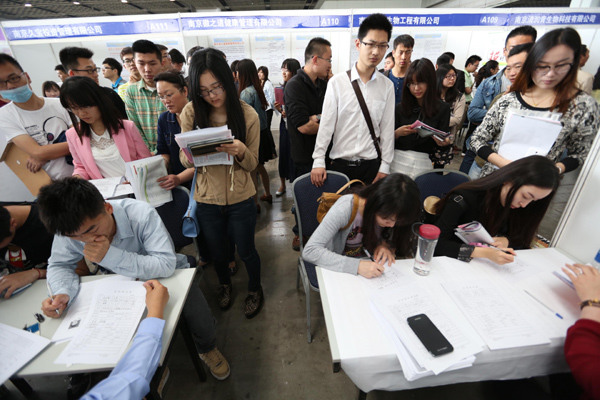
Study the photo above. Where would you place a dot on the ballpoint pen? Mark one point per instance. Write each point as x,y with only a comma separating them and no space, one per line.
51,295
368,254
543,305
477,244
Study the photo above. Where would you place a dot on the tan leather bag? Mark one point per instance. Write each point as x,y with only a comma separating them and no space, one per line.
327,200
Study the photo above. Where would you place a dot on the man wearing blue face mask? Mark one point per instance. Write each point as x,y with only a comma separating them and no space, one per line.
33,123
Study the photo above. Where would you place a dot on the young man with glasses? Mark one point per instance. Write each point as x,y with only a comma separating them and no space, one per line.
33,123
129,65
355,152
490,88
141,98
166,58
403,48
78,62
111,70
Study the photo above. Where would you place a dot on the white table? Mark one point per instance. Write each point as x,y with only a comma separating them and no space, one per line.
368,357
19,310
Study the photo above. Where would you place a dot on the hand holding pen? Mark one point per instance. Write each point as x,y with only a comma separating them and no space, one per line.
369,269
53,306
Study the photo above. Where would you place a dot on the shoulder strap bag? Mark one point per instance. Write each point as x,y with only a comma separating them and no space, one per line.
365,111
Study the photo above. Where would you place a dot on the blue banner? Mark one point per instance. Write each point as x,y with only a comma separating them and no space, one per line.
92,29
264,22
491,19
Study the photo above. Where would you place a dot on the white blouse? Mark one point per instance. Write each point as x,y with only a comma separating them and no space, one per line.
107,156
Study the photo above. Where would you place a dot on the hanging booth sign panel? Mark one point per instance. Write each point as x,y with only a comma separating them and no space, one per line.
265,22
85,29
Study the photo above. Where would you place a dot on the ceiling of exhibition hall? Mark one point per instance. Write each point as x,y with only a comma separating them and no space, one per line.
44,9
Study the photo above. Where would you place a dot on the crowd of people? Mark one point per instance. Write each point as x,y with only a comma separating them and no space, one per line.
359,122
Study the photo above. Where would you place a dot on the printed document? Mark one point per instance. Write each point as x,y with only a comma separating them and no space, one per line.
397,304
494,316
17,348
143,175
76,314
111,188
198,145
114,315
527,135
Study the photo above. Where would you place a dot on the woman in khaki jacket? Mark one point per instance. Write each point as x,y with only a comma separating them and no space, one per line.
225,192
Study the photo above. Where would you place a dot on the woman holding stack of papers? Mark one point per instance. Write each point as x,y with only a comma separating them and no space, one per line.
377,221
224,193
509,204
99,141
545,86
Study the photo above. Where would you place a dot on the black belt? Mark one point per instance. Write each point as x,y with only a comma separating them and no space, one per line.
352,163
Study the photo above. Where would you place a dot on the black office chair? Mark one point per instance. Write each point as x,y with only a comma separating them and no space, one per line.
439,182
305,199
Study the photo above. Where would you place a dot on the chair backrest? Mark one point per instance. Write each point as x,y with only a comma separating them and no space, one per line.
305,199
171,214
439,182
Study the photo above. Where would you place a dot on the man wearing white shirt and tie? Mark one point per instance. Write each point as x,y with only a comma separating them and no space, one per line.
354,151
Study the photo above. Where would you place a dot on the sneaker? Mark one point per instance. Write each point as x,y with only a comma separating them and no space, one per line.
218,365
253,303
224,296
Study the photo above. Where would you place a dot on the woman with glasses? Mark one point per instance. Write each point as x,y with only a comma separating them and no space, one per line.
173,92
289,68
420,102
249,82
376,221
224,193
447,91
509,203
546,83
100,142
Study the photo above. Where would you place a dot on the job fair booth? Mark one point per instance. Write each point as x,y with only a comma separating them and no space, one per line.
270,37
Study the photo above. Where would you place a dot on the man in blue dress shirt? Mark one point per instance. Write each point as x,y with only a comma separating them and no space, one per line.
126,237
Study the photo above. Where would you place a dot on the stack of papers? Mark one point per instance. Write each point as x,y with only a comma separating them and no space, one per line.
107,329
200,145
143,175
528,133
17,348
111,188
393,302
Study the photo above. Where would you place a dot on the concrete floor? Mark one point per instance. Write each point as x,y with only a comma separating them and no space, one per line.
269,355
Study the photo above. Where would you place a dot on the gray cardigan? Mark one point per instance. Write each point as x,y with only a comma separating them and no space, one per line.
327,243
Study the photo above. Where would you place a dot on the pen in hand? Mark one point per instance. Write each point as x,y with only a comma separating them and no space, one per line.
51,295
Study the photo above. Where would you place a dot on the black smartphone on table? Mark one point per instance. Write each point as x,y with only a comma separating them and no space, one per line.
431,337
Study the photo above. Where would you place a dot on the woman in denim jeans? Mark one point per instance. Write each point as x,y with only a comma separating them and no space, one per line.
225,192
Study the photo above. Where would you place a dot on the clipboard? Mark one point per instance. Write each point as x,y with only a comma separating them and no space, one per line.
16,160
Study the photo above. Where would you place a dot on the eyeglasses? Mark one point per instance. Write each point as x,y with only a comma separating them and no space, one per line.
90,71
450,77
128,61
329,60
13,79
373,45
559,69
216,91
168,96
105,68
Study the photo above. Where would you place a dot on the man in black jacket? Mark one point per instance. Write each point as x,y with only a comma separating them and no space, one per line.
303,99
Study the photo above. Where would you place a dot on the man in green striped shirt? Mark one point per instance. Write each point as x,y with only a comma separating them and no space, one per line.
141,99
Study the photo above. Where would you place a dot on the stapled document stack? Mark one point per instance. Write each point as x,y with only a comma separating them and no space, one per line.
473,232
200,146
425,130
143,174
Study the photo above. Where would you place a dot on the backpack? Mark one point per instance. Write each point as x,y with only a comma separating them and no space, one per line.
327,200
